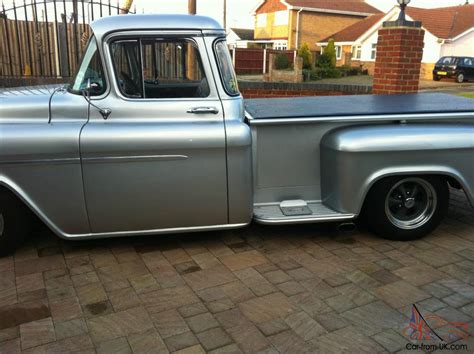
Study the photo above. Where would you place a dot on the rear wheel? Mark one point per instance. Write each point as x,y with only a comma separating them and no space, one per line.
407,208
460,78
13,224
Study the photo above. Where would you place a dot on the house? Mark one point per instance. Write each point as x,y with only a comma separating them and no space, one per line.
448,31
239,37
286,24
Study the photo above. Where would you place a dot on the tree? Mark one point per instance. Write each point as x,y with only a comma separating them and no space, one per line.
305,53
330,51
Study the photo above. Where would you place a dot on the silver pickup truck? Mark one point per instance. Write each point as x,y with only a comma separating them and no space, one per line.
153,136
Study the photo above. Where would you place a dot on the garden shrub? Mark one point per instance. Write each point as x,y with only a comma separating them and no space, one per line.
282,62
323,61
330,51
305,53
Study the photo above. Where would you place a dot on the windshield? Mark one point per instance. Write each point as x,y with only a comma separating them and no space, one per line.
90,69
447,61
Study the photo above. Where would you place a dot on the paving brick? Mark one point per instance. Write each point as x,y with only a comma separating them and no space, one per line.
181,341
390,340
273,327
456,300
147,342
192,310
375,317
266,308
243,260
290,288
419,274
331,321
255,281
91,293
228,349
249,338
400,293
169,323
124,299
70,328
214,338
37,333
195,349
208,278
304,326
348,340
119,324
118,345
202,322
165,299
289,342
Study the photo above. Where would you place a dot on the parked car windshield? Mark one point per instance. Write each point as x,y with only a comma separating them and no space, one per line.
447,61
90,69
226,68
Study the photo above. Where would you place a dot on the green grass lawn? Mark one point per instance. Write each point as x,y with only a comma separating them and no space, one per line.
467,94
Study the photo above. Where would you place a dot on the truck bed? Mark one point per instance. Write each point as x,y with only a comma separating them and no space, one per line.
361,105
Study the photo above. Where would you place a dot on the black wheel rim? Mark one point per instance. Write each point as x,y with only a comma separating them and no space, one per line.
411,203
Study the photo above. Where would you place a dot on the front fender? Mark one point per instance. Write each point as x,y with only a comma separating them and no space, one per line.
354,158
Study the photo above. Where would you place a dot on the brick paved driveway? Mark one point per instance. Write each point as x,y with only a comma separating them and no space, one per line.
281,289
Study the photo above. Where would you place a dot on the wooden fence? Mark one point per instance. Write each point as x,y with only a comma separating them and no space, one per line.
256,61
47,38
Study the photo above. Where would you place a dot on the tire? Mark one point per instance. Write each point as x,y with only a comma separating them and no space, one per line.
436,78
460,78
394,214
14,224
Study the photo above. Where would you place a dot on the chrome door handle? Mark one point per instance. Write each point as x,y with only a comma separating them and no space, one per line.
203,110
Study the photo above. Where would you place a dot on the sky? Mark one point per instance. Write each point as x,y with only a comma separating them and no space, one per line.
239,11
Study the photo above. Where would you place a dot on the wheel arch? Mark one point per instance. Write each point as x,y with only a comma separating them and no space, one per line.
450,176
8,187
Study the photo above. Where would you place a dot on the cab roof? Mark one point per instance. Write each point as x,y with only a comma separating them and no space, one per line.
108,24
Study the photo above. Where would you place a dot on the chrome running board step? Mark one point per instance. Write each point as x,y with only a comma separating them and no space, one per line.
296,212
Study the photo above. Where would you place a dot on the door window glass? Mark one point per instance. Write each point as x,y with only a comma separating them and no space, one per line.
173,69
127,67
159,68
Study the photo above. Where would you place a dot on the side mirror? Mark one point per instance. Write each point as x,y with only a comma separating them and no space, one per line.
93,87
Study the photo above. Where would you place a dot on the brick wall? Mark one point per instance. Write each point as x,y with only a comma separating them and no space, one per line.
268,93
261,89
398,63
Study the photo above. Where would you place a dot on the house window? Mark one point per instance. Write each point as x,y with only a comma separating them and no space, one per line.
373,53
261,20
280,45
356,52
281,18
338,52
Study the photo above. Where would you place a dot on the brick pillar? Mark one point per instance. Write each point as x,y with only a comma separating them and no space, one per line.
398,62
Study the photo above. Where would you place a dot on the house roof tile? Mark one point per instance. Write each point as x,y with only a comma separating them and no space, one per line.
443,22
351,33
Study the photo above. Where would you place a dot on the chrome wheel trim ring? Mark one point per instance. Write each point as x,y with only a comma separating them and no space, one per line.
2,224
461,77
422,211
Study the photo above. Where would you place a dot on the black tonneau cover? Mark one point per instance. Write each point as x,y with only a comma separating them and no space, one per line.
360,105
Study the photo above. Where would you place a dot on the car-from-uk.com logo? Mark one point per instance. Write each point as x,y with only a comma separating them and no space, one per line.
423,333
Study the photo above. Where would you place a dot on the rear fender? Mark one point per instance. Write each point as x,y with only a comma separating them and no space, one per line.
355,158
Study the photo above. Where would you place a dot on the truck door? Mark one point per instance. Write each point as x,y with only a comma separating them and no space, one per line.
159,160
